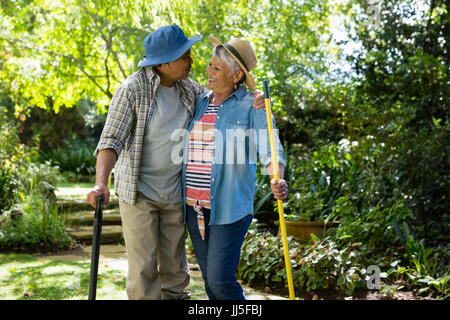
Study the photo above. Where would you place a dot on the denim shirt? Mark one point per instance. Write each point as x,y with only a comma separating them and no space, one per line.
240,135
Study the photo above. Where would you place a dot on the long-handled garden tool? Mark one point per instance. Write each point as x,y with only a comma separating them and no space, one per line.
280,202
96,248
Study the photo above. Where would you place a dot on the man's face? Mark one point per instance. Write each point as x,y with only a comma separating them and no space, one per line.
180,68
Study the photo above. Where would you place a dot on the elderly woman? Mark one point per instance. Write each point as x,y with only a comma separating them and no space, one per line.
219,169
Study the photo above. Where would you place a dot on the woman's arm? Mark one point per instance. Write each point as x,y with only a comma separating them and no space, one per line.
259,124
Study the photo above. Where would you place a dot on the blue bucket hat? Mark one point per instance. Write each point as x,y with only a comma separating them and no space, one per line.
165,45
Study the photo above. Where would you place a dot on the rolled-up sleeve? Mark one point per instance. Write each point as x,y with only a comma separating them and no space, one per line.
119,121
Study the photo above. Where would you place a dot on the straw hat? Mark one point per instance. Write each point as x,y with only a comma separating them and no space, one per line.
244,55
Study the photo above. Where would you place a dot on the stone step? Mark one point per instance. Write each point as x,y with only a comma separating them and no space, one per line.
81,218
84,234
77,204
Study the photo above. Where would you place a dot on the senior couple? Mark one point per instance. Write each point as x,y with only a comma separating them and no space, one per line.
158,197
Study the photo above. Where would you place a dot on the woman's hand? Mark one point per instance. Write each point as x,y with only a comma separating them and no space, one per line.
279,189
259,100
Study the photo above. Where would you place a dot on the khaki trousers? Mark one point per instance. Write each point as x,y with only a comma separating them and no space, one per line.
154,236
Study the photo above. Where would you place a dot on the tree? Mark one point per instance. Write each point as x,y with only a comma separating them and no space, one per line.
401,97
56,53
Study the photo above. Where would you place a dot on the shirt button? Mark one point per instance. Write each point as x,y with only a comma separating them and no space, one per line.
212,197
213,179
218,117
221,105
238,122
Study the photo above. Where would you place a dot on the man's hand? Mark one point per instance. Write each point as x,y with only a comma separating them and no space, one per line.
98,190
106,159
259,100
279,189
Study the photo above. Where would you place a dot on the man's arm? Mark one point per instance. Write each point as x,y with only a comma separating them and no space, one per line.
117,128
106,160
257,104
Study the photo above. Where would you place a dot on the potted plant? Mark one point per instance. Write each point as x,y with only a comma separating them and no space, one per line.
315,182
312,220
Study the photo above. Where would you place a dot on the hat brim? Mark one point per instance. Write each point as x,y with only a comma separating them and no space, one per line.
248,77
174,55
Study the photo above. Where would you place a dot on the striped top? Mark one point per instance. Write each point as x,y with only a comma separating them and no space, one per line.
200,158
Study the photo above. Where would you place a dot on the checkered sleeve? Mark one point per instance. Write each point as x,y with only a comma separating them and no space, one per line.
119,121
198,88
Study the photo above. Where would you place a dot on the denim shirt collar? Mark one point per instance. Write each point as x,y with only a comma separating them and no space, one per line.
239,93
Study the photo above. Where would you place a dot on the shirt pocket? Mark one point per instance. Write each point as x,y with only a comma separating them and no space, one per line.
237,123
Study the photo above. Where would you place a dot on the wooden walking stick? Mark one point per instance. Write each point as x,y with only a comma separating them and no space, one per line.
280,202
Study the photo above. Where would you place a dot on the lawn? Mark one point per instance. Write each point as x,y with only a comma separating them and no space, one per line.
34,277
27,277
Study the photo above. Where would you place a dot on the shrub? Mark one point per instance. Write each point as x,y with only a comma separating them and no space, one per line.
314,266
324,265
76,157
43,176
36,227
12,155
8,185
317,178
426,269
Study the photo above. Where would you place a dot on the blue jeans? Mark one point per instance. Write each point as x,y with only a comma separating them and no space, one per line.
218,255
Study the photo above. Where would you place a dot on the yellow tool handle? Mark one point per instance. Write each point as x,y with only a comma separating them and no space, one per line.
280,202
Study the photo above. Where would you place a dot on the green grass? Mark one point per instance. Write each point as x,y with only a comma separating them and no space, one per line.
25,277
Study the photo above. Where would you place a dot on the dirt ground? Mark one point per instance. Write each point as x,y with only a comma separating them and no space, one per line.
333,294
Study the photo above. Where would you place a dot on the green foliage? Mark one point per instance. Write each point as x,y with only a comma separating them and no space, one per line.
67,52
79,49
76,156
314,266
428,269
401,98
8,184
324,264
42,176
342,180
52,130
37,228
12,155
365,126
324,178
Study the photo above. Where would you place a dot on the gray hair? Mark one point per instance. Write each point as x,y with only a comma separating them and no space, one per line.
221,53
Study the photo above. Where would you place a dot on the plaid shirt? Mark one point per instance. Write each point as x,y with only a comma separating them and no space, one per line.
129,113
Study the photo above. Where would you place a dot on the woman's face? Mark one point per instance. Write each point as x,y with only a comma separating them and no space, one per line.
220,76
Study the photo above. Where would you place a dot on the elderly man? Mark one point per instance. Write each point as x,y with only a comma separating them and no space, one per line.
144,112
